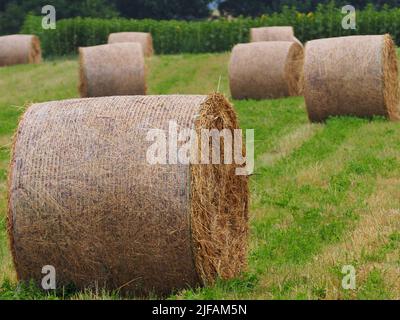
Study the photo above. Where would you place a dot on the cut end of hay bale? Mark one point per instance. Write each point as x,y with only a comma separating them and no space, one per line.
87,202
219,207
391,93
266,70
83,80
144,38
294,69
35,54
365,84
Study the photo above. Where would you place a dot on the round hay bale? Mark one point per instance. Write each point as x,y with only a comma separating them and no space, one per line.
353,76
144,38
264,70
19,49
111,70
84,199
273,34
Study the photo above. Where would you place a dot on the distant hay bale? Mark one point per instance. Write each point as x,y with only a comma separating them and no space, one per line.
84,199
19,49
144,38
264,70
111,70
353,76
273,34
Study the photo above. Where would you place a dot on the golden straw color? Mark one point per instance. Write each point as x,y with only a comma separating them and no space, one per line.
144,38
84,198
284,33
351,76
265,70
19,49
112,69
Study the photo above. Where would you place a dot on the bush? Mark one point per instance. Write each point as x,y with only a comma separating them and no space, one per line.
209,36
13,12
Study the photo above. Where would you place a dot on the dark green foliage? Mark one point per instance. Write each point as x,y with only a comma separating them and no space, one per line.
254,8
13,12
160,9
210,36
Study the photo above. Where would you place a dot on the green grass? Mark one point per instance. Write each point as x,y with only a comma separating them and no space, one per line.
322,196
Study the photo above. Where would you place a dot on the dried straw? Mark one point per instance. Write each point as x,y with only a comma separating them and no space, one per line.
84,199
19,49
112,69
353,76
264,70
145,39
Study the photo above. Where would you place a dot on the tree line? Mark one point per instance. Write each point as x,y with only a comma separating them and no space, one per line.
13,12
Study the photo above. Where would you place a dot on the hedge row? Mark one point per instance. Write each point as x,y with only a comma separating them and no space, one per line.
209,36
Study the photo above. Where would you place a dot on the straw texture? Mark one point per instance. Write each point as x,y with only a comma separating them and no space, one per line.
19,49
112,69
351,76
145,39
84,199
273,34
264,70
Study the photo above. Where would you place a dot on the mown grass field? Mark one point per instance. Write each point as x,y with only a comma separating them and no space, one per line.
323,195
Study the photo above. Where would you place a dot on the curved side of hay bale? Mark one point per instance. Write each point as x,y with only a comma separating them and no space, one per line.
19,49
264,70
112,69
272,34
353,76
84,198
144,38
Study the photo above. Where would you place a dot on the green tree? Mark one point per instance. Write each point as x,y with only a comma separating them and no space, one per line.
163,9
256,8
13,12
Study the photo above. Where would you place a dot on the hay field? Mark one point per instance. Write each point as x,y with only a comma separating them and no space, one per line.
323,196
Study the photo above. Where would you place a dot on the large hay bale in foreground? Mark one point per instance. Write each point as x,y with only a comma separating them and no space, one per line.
285,33
144,38
354,76
264,70
19,49
112,69
84,199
